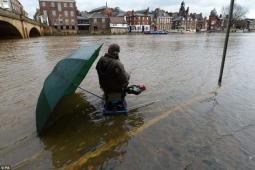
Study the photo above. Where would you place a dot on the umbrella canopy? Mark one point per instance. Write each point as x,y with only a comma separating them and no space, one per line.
64,80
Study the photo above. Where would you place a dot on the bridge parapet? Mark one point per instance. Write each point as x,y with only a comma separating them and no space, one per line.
9,14
26,27
18,25
6,13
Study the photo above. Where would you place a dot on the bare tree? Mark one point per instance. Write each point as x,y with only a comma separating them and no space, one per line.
239,13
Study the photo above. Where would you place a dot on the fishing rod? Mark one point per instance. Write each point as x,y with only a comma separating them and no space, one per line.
91,93
226,41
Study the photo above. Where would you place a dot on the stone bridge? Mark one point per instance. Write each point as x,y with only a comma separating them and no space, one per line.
18,26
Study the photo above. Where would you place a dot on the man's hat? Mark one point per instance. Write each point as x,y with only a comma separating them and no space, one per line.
113,48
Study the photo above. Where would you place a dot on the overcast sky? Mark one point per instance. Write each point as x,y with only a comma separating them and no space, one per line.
204,6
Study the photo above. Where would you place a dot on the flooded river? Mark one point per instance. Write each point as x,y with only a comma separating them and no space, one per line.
193,125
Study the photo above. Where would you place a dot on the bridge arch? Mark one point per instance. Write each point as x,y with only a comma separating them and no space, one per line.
34,32
8,30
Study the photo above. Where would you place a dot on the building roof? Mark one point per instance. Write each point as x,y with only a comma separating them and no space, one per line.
178,18
143,11
139,14
118,10
196,16
117,20
250,19
85,14
121,14
97,15
98,9
82,18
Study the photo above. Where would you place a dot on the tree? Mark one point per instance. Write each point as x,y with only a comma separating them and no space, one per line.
239,13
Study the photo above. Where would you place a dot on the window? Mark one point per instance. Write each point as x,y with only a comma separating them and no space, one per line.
71,4
45,13
67,21
65,5
59,7
54,13
66,13
95,20
52,4
72,13
103,20
43,4
72,22
61,21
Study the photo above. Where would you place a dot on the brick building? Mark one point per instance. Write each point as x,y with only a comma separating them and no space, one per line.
196,22
17,7
14,6
161,20
60,14
186,22
214,22
180,20
99,23
103,10
250,24
139,21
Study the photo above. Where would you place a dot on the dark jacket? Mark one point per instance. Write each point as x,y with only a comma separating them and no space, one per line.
112,74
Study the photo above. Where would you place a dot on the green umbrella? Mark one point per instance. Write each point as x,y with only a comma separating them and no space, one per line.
64,80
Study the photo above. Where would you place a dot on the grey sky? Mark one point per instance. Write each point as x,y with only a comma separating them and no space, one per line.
204,6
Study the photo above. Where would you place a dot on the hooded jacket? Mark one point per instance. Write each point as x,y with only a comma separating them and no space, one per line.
111,73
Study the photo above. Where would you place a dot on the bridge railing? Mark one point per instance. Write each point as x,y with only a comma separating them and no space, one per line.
9,14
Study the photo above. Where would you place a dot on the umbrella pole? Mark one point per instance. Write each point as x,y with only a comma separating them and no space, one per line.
91,93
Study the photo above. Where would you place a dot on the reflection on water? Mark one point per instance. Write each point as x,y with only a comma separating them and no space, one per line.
76,134
193,126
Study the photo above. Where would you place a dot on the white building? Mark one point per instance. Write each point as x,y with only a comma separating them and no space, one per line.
139,28
118,25
5,4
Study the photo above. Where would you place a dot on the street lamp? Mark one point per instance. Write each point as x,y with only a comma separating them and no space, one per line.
226,42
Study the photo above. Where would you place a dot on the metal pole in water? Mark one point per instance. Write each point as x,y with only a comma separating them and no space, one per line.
226,41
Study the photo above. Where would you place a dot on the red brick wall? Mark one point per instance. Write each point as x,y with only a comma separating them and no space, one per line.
139,20
16,7
54,20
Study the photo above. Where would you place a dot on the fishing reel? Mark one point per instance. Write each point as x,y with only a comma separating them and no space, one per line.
135,89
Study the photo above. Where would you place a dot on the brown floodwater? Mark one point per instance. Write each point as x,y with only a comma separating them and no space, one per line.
193,125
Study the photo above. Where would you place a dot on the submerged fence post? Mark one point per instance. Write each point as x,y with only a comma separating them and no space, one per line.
226,41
